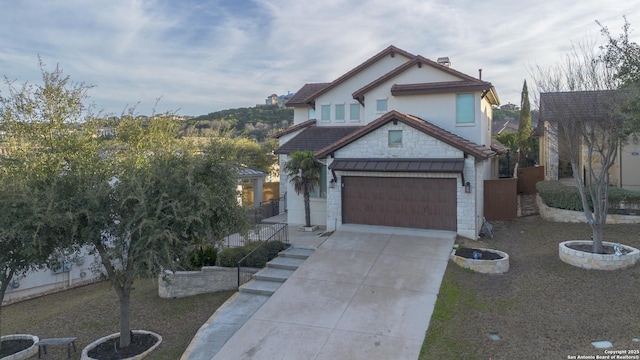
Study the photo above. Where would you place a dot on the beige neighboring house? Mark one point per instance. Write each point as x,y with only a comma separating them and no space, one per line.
405,142
624,173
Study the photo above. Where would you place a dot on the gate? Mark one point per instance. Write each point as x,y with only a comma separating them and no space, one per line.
528,178
500,199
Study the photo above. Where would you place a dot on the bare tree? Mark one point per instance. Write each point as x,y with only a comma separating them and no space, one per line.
586,106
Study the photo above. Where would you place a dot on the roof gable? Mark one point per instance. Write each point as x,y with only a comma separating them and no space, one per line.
466,82
478,151
389,51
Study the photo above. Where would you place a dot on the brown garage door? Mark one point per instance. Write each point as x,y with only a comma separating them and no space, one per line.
400,202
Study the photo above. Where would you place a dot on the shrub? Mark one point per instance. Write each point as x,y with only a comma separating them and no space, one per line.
202,256
557,195
229,257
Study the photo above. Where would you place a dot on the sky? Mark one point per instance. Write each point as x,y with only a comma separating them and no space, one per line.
198,57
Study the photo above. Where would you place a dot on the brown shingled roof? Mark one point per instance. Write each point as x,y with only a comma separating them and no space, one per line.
315,137
294,128
300,98
479,151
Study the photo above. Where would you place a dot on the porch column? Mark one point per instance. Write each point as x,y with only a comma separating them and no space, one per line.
257,191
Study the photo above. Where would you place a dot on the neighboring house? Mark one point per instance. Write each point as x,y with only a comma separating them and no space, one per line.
406,142
624,173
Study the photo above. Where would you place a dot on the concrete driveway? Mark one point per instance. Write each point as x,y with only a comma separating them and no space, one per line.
365,293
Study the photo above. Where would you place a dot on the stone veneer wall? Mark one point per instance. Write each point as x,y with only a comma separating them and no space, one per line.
569,216
188,283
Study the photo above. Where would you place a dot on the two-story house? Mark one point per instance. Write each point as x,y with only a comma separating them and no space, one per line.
405,142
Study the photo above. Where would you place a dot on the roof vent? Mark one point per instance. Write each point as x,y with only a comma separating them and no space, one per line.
444,61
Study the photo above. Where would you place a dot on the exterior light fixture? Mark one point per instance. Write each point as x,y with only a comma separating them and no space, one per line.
332,184
467,187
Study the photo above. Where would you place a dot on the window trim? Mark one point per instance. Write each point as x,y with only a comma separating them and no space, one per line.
386,107
459,97
351,106
322,107
335,112
394,143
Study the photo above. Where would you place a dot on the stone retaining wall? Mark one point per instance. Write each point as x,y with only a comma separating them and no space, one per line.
568,216
188,283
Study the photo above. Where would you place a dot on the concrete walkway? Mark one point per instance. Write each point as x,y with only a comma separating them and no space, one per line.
365,293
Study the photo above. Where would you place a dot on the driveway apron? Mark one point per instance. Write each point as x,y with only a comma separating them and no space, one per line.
365,293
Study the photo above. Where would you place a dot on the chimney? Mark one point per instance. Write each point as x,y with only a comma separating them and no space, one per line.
480,74
444,61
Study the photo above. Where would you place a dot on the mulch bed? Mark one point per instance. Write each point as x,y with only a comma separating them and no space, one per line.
110,349
10,347
606,249
467,253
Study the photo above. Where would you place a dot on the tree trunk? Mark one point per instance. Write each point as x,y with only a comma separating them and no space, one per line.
125,318
4,285
307,209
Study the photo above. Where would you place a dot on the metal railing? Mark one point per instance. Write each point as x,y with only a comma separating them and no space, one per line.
264,234
269,208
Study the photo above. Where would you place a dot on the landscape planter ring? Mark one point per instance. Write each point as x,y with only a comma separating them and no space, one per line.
27,353
90,347
498,266
588,260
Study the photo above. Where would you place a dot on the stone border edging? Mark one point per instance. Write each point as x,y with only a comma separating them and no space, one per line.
570,216
26,353
587,260
89,347
498,266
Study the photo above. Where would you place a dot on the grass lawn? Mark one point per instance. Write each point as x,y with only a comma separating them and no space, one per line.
91,312
541,308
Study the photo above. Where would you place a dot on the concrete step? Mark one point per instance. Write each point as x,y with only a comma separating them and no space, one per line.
273,274
287,263
299,253
260,287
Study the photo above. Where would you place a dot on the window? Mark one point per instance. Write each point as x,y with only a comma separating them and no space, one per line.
325,112
354,112
340,112
323,185
395,137
381,105
312,114
464,109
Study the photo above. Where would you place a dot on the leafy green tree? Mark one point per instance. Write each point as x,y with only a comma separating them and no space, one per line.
304,172
157,199
41,138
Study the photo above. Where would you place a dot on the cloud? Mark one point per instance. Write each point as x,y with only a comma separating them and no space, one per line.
202,56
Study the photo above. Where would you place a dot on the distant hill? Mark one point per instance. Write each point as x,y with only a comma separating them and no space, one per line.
252,122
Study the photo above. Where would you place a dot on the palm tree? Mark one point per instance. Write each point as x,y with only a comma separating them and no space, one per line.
304,171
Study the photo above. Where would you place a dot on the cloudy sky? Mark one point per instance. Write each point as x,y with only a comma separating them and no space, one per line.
203,56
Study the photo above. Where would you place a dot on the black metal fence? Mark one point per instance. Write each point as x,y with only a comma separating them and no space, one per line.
269,208
264,233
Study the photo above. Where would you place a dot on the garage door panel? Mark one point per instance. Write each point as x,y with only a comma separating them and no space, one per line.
400,202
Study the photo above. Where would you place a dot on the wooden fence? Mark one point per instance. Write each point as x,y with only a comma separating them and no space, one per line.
528,178
500,199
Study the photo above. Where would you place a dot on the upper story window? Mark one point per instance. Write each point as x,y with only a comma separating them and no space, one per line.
381,105
325,112
339,112
395,138
465,112
354,112
312,114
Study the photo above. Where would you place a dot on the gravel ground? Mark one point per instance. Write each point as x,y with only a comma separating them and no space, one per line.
541,308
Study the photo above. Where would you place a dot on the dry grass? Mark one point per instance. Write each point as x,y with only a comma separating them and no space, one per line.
542,308
91,312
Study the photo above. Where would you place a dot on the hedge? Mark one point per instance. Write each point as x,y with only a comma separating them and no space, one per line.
258,259
558,195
